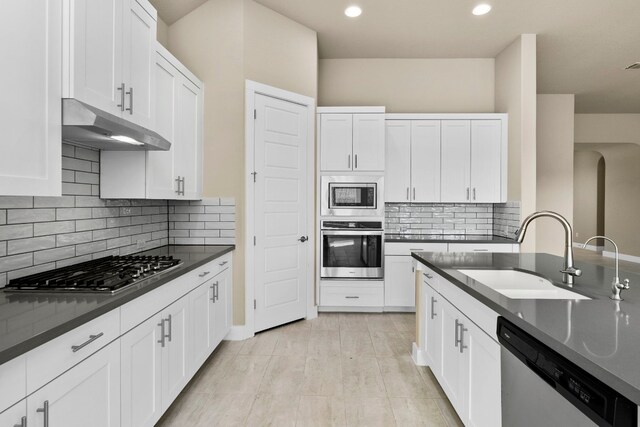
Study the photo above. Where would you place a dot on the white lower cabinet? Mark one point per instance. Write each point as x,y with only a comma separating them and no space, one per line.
86,395
175,373
399,291
15,415
464,359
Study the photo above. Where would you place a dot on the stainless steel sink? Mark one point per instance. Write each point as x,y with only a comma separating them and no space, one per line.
518,284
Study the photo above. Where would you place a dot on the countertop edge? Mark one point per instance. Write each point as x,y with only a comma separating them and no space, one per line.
51,334
615,382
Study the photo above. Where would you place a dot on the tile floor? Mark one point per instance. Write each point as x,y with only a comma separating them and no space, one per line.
336,370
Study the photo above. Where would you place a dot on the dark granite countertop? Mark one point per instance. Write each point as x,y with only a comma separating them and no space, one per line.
446,238
599,335
28,320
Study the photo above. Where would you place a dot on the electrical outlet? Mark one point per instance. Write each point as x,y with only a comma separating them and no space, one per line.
140,244
577,234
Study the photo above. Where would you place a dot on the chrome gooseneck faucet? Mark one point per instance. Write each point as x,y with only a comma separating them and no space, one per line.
616,286
569,271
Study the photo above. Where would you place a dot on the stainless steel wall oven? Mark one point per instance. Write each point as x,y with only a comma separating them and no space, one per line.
352,250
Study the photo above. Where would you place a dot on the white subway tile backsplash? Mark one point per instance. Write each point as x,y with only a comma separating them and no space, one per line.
42,233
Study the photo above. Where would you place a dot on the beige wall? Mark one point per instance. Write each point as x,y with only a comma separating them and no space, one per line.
225,42
163,33
409,85
554,168
585,195
605,128
515,94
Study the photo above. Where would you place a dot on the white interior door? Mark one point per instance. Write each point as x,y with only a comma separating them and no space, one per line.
280,216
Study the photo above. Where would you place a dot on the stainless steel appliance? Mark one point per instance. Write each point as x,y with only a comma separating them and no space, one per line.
105,275
542,388
352,195
352,250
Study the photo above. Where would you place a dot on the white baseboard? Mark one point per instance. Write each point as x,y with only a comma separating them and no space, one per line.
418,356
588,247
400,309
350,309
238,333
623,257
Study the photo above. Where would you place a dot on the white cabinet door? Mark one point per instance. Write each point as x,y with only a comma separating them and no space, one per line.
486,163
161,167
368,142
433,330
201,309
481,356
188,140
95,54
141,374
425,161
15,415
175,361
456,158
222,290
30,109
397,172
86,395
399,282
139,37
453,375
336,142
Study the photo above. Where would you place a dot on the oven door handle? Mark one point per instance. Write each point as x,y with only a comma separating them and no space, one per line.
351,232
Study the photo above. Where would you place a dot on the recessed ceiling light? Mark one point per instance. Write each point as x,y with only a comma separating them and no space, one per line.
353,11
126,139
481,9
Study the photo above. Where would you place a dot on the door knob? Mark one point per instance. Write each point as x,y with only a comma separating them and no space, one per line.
303,239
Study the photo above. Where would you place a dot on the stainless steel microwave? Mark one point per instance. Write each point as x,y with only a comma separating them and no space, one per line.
352,196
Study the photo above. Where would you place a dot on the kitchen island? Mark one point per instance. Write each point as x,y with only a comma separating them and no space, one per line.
597,334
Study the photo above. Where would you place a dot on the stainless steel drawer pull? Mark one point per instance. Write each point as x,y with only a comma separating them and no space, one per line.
223,263
428,276
352,297
168,320
203,274
23,422
45,412
433,309
130,93
481,250
91,339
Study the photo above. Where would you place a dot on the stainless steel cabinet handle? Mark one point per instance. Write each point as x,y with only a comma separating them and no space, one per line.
352,297
414,193
213,292
467,193
356,162
428,276
45,412
162,336
349,161
223,263
177,180
182,186
91,339
216,291
121,89
23,422
433,309
203,274
480,250
462,331
168,320
130,93
408,193
474,193
456,333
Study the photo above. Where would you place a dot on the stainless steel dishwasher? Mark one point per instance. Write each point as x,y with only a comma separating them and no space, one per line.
541,388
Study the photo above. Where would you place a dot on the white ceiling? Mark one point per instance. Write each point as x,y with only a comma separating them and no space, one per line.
583,45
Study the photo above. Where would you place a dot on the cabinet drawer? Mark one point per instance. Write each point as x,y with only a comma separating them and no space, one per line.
46,362
13,384
352,296
481,247
140,309
405,248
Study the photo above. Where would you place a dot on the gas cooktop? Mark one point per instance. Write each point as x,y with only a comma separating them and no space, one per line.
105,275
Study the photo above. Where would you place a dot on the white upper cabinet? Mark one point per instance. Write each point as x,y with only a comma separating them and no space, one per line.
30,108
456,161
108,56
368,142
173,174
351,141
336,141
397,176
425,161
486,155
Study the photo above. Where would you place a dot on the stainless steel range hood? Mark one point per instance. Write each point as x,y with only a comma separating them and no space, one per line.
90,126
